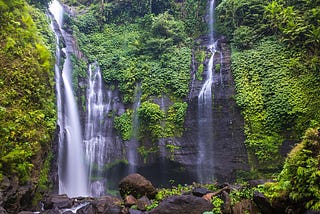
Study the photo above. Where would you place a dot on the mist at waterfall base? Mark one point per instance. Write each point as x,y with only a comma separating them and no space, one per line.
94,165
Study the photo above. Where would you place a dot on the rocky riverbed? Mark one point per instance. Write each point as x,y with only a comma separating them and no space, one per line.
139,196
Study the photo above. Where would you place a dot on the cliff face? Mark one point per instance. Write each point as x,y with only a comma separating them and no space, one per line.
227,143
177,158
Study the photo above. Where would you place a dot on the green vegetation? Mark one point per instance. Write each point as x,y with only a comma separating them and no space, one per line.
275,62
167,192
126,58
217,203
269,95
123,124
150,116
299,179
27,109
145,43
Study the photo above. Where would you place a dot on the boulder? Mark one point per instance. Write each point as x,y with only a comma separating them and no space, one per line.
263,203
265,206
208,196
182,204
129,201
88,209
143,202
68,212
107,204
255,183
226,207
2,211
200,191
51,211
58,202
133,211
4,184
15,197
137,186
245,206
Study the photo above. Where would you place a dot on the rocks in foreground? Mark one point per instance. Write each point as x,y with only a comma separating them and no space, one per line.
182,203
137,194
82,205
138,197
137,186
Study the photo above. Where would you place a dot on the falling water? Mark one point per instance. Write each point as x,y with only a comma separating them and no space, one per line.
133,143
205,160
72,172
211,22
98,107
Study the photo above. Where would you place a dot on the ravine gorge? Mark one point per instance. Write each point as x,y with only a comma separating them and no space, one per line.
159,106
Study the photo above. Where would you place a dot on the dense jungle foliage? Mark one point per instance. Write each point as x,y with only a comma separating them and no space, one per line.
275,62
144,47
299,179
27,108
144,51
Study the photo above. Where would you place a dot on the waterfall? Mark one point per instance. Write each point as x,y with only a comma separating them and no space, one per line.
96,129
211,21
205,160
71,167
133,143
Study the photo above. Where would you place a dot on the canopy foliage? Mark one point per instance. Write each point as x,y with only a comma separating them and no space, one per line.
27,110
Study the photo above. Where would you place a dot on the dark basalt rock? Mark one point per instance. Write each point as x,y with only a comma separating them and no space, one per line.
57,202
143,202
245,206
200,191
88,209
107,204
130,200
52,211
133,211
255,183
2,211
183,204
226,207
137,186
62,204
229,153
13,196
265,205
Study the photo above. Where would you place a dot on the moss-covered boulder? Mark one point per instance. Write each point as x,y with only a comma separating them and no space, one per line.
138,186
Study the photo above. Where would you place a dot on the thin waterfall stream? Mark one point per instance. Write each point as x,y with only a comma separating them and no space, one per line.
205,159
71,165
96,127
133,143
91,161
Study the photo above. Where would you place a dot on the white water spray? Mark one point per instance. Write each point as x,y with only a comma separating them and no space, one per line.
72,171
98,107
205,161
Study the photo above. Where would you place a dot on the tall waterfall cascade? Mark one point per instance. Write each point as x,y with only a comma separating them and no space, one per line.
71,166
205,160
98,106
93,158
